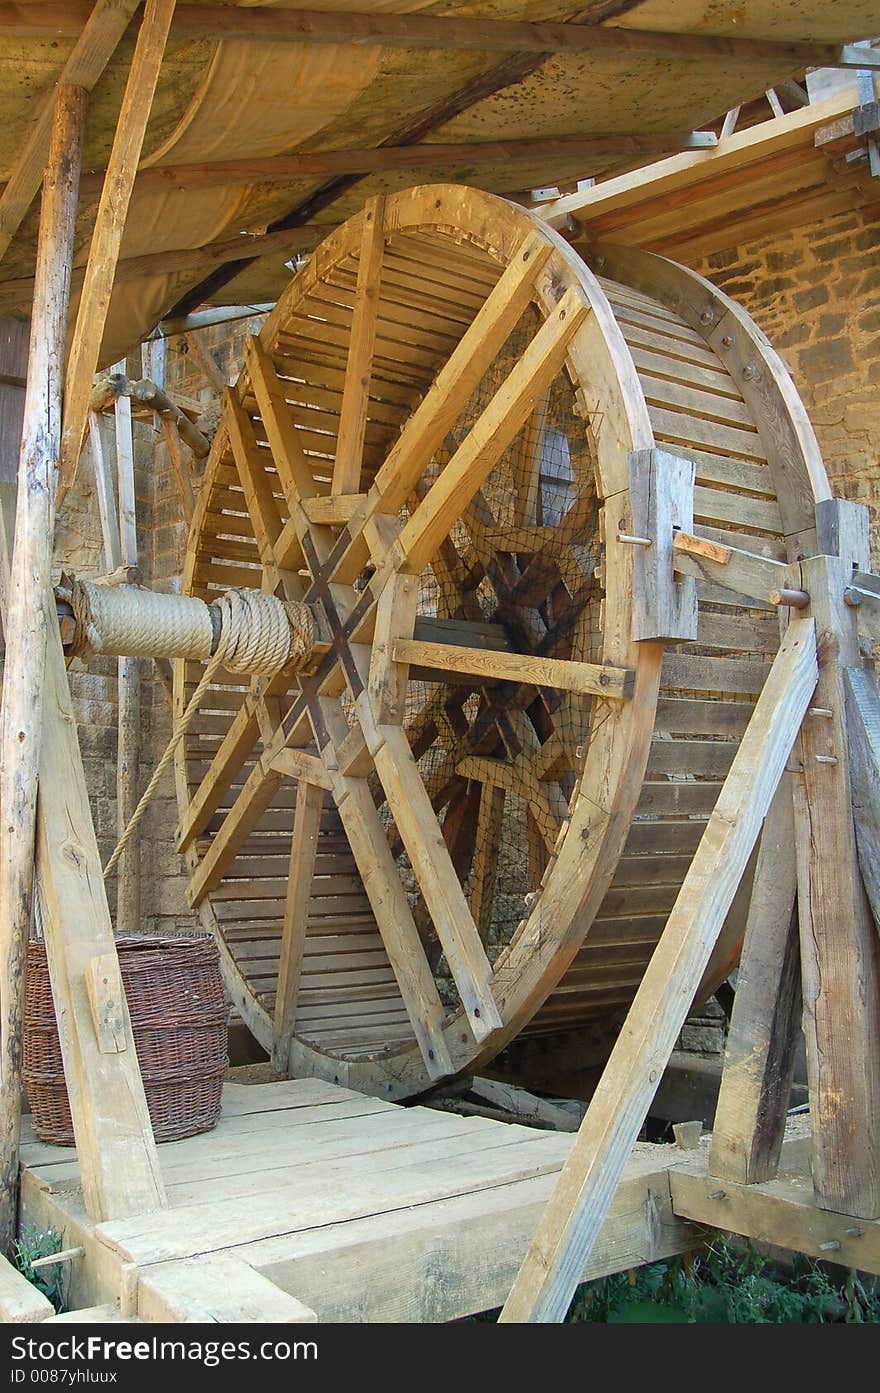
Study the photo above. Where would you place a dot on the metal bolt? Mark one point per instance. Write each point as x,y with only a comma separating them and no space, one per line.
831,1246
826,759
728,340
707,317
854,1233
750,372
820,711
718,1195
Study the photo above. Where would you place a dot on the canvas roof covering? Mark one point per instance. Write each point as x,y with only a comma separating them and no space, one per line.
245,100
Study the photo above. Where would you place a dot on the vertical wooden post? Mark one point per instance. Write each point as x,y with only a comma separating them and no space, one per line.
759,1059
115,1149
840,952
25,620
128,887
109,226
303,850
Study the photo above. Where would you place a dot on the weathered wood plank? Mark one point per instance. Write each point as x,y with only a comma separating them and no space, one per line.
25,583
303,849
107,235
760,1054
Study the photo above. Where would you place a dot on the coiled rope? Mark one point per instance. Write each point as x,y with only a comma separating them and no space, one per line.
256,633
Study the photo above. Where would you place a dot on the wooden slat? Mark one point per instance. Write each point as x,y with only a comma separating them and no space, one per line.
547,1279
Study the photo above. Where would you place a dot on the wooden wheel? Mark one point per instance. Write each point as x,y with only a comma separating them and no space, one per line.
471,817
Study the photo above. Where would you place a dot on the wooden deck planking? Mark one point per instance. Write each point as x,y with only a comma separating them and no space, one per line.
280,1186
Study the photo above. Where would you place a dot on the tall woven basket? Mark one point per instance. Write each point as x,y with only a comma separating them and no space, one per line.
179,1017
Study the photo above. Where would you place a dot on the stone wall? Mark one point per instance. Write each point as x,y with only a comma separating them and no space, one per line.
815,292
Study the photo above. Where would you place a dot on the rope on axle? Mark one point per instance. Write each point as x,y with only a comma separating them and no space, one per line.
257,634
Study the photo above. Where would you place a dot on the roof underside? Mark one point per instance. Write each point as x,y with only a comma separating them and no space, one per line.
242,100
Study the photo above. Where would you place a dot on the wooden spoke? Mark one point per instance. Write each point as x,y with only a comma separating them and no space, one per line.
485,862
545,799
355,396
261,503
414,816
303,850
490,434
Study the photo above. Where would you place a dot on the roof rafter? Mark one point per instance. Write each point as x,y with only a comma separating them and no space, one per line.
66,17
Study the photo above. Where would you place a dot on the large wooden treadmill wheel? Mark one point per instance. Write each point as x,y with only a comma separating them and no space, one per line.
471,818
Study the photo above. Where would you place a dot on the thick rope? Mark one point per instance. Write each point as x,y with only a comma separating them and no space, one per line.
259,634
133,623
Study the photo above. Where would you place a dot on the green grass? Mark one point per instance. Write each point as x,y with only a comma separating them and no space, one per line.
732,1284
36,1243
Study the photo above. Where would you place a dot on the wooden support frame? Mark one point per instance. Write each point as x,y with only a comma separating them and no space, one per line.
547,1279
840,950
107,235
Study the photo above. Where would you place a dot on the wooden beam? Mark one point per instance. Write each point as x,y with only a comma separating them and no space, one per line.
19,291
568,1228
742,571
284,169
840,951
863,738
359,366
118,1161
106,498
300,873
182,476
760,1054
128,897
616,684
781,1212
98,28
107,235
262,23
24,618
661,488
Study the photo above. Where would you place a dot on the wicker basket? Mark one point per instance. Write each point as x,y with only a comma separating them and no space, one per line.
179,1017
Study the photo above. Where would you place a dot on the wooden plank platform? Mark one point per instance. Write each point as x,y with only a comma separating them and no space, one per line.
327,1204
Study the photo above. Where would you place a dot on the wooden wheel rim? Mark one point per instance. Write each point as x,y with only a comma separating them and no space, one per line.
600,364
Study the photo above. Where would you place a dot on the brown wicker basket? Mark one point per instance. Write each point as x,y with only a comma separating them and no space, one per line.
179,1017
